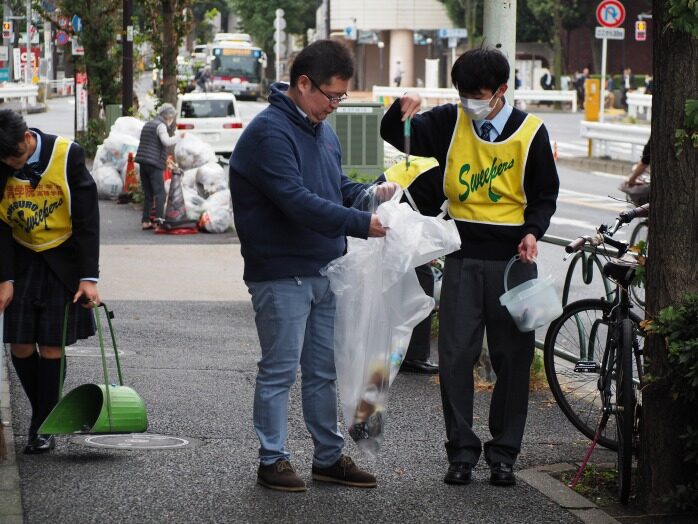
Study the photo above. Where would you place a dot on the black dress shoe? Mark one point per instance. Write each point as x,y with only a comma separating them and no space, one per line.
459,473
502,474
40,444
419,366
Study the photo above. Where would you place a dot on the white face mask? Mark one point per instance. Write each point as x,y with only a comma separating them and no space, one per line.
476,109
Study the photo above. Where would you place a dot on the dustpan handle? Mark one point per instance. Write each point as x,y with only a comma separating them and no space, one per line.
98,322
110,314
63,340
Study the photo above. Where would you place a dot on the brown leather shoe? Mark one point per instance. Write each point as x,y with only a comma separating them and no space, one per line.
280,476
345,472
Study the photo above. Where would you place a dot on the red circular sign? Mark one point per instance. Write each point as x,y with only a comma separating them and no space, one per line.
610,13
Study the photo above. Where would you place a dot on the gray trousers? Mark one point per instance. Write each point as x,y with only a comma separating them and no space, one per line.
470,303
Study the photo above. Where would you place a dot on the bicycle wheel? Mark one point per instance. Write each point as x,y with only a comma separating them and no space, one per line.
573,351
625,408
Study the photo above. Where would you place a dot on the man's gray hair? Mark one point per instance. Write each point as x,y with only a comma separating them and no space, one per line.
167,111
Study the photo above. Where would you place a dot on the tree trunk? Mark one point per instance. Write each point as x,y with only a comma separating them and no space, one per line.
557,44
169,53
672,269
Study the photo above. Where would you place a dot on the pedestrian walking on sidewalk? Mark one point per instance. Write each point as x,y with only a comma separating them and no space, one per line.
49,240
290,198
499,179
152,157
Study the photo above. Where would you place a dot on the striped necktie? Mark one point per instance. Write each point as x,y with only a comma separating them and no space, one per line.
485,129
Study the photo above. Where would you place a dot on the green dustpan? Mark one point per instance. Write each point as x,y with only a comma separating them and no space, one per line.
96,408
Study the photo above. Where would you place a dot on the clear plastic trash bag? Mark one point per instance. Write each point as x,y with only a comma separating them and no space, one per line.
379,301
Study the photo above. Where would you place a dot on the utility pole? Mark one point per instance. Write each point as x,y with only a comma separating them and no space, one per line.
328,25
499,31
29,69
127,60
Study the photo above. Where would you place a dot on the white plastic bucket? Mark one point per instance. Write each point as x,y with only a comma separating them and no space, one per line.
533,303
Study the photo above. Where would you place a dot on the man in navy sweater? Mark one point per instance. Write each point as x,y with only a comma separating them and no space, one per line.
497,174
291,205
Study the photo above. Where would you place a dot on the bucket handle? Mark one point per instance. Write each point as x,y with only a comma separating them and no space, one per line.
511,263
109,314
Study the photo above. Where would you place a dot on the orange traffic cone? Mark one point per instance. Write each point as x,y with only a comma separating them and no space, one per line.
130,181
167,173
176,221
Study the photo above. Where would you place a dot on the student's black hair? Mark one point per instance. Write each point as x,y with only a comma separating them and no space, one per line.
480,68
322,60
12,129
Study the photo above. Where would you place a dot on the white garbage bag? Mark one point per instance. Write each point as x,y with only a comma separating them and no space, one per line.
217,216
193,202
192,152
212,178
108,180
379,301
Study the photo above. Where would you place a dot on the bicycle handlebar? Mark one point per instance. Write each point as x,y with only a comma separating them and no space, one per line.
575,245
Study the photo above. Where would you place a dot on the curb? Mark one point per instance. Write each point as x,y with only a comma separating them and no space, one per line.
10,492
614,167
540,479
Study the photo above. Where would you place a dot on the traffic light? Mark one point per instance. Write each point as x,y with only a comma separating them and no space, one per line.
7,30
640,30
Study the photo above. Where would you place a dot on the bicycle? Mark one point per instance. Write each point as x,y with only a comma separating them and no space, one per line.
593,355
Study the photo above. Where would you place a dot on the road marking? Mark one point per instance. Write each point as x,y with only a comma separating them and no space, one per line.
581,224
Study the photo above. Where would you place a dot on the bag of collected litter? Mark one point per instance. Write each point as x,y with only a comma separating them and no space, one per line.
212,178
123,139
217,216
192,152
379,301
193,202
108,180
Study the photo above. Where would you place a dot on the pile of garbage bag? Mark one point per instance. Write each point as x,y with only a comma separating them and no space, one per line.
205,185
109,168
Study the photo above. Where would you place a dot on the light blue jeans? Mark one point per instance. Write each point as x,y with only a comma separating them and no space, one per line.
295,324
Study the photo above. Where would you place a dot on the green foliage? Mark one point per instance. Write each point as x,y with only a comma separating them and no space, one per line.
683,16
93,137
640,278
257,18
689,132
101,22
679,326
361,178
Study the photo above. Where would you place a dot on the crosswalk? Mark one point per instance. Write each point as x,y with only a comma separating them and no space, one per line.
614,150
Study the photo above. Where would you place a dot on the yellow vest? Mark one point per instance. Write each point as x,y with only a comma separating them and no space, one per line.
483,181
404,176
40,217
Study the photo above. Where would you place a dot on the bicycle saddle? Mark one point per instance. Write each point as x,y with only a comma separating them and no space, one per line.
620,270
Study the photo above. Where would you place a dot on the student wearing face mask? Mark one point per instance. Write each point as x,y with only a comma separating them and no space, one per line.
498,178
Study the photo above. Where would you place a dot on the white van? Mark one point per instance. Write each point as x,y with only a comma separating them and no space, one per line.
212,117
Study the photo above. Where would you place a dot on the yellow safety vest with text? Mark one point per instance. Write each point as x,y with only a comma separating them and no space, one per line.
483,181
40,217
404,176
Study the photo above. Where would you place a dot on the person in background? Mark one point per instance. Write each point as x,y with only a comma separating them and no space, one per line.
49,240
498,177
152,156
610,95
398,73
649,85
580,79
203,80
517,80
292,215
627,85
547,81
642,166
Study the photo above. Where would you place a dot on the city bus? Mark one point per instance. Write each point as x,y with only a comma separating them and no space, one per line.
238,67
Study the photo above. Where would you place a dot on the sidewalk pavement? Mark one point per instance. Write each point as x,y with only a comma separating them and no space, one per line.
189,346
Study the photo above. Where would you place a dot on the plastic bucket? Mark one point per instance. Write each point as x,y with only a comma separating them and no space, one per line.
86,410
531,304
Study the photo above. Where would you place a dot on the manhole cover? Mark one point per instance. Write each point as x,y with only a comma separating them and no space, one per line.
136,441
92,351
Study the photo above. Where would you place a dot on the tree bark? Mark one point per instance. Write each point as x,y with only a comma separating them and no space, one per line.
672,268
169,52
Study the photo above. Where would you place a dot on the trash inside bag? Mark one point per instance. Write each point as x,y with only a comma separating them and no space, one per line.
379,301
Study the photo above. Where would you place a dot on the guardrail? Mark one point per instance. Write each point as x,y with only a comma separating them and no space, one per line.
639,103
24,91
432,96
635,135
62,87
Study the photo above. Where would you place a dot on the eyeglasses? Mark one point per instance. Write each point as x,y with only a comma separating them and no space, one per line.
332,99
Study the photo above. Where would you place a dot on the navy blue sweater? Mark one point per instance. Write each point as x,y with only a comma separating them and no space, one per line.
290,194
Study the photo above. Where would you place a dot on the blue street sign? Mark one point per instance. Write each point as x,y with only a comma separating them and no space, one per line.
76,22
4,74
